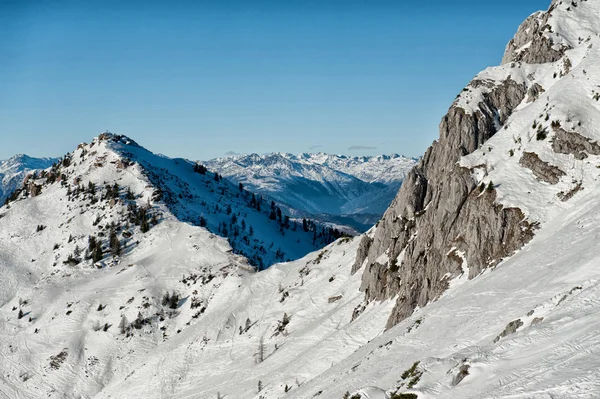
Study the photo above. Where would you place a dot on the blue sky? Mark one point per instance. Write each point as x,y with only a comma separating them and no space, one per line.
201,79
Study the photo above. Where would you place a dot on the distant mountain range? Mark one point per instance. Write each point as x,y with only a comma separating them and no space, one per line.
347,190
14,170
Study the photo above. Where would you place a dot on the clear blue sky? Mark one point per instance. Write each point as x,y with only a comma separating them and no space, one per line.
200,79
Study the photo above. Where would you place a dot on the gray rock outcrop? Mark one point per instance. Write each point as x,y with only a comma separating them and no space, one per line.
531,45
440,207
542,170
574,143
511,328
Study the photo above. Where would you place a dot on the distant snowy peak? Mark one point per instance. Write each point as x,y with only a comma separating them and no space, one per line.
14,170
386,169
380,168
320,183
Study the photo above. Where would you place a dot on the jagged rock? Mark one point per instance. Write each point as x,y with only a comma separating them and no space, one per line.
564,197
463,371
439,207
123,164
542,170
511,328
534,92
531,45
574,143
537,320
361,254
34,189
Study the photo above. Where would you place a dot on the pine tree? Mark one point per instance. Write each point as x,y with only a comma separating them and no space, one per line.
115,244
123,325
115,190
260,353
174,301
97,255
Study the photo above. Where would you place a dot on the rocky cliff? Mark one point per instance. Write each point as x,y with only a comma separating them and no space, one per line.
445,221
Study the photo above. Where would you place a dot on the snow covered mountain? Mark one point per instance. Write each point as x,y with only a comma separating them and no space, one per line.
321,183
480,281
14,170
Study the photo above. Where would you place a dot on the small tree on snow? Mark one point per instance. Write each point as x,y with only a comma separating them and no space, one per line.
260,354
123,325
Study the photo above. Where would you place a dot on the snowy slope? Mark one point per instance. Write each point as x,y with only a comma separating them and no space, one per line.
14,170
226,209
92,328
322,350
320,183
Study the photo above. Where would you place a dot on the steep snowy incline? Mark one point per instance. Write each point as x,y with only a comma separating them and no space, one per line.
525,330
171,313
14,170
257,229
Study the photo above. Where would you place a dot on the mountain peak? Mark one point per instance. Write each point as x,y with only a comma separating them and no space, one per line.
115,138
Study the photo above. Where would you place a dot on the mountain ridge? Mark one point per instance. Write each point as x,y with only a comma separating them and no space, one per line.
320,183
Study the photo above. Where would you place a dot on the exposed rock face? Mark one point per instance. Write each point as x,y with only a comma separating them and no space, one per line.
573,143
531,45
362,252
564,197
534,92
440,207
511,328
442,223
34,189
542,170
463,371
